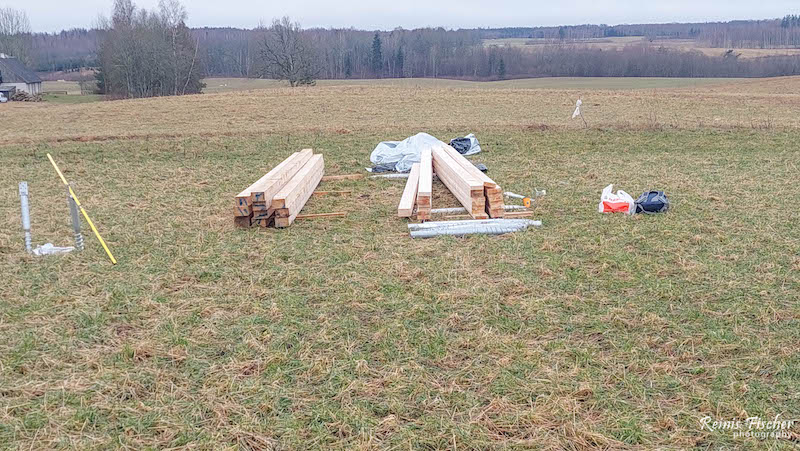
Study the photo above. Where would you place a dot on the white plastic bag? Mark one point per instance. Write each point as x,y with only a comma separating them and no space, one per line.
577,108
621,202
401,155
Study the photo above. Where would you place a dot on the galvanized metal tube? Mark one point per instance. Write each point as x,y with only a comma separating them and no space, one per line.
483,229
472,222
456,210
76,221
26,214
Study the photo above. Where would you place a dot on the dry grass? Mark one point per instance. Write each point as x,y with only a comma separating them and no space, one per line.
592,332
618,43
390,109
217,85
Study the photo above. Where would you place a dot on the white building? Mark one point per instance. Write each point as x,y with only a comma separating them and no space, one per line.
14,74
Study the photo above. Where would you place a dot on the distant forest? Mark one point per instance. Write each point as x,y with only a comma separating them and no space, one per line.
350,53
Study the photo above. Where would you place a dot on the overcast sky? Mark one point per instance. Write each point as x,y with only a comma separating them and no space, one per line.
54,15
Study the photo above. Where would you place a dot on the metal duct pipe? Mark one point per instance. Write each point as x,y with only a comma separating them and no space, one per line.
484,229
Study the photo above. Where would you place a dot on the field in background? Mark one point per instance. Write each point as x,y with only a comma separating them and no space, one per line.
215,85
71,87
392,110
618,43
592,332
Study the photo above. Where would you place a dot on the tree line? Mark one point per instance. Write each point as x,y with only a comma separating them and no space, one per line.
145,53
148,53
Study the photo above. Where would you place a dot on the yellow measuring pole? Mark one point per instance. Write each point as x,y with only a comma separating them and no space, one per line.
85,215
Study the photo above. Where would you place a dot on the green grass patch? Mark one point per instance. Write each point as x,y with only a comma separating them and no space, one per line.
592,331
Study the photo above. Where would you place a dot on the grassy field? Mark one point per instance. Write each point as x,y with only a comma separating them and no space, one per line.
72,87
217,85
617,43
594,331
394,111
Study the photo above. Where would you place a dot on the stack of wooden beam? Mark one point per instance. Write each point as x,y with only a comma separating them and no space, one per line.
277,197
479,194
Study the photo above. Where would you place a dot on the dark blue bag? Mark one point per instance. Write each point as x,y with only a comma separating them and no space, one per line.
652,202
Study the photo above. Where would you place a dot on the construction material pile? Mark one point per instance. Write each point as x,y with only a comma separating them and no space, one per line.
479,194
278,197
22,96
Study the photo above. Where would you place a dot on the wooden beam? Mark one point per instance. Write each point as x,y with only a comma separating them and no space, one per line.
495,204
326,193
270,183
291,199
293,190
406,207
332,178
424,186
338,214
466,164
465,187
280,178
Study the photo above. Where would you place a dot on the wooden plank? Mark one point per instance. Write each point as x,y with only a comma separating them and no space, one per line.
495,204
331,193
293,189
406,207
466,164
265,192
338,214
424,185
277,176
243,198
466,188
332,178
293,197
425,173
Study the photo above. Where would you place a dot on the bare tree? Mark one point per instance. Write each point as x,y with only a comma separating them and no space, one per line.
145,53
173,13
15,33
287,55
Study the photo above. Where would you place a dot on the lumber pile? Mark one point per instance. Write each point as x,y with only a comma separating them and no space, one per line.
495,205
479,194
278,197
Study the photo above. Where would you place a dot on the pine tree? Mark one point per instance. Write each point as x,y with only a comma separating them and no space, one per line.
400,62
377,56
501,69
348,66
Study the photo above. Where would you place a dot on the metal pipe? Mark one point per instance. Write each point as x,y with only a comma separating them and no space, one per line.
473,222
456,210
389,176
26,215
76,221
484,229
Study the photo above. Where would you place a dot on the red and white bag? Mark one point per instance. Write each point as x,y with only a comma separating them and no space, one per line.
621,202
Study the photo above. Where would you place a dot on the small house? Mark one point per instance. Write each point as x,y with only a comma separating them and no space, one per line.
14,74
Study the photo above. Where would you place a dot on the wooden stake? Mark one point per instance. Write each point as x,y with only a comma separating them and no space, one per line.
331,178
338,214
325,193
